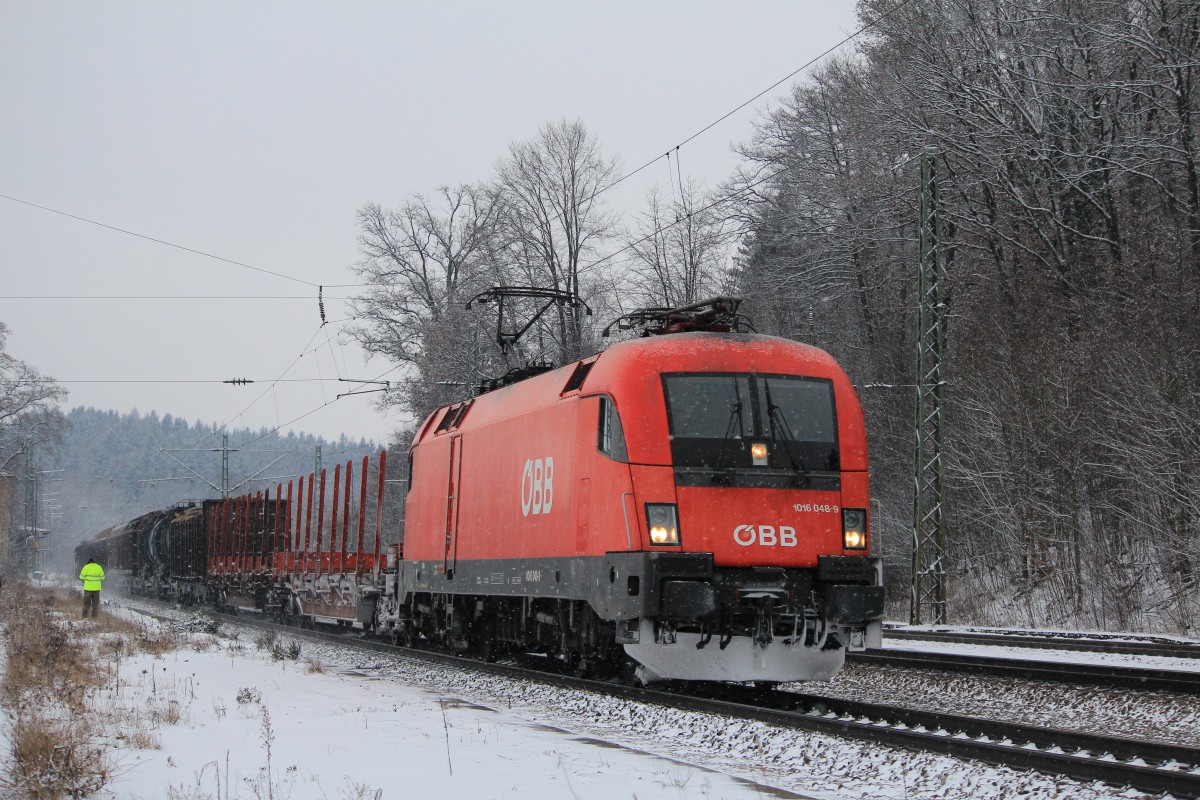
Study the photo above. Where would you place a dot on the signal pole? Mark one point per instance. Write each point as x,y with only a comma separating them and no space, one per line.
927,596
225,489
224,465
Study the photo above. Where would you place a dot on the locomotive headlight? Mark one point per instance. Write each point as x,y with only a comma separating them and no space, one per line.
854,528
758,452
663,523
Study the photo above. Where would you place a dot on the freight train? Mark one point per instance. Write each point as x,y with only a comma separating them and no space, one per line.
692,504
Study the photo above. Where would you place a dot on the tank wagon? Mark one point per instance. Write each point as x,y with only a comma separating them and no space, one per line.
150,555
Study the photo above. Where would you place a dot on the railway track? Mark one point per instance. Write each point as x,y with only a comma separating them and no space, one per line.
1163,680
1088,643
1147,766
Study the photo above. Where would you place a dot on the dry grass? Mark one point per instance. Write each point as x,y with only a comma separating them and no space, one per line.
139,732
48,677
52,758
56,673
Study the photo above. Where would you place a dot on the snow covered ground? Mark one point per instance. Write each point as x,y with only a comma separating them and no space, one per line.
378,726
1047,653
253,728
1073,634
1154,716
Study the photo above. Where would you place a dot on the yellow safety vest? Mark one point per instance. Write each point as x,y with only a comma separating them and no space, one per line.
92,575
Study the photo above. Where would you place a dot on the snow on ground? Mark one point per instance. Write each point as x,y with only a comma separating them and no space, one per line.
371,723
1155,716
1161,716
1049,634
1047,653
339,734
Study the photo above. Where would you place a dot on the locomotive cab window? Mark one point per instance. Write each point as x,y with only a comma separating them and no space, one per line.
801,409
726,423
611,439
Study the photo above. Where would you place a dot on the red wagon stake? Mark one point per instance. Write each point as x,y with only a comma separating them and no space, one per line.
320,521
346,517
279,528
226,528
362,519
308,525
294,543
333,523
375,566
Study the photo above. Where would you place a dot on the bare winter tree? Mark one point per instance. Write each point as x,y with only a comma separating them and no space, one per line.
28,422
1067,143
27,402
679,249
825,219
551,217
420,263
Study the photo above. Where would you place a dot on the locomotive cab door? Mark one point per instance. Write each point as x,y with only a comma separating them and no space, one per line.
453,493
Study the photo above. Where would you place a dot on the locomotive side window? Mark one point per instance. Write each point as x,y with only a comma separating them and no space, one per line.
611,440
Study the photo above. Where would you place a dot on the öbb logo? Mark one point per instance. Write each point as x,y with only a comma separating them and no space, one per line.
765,535
537,486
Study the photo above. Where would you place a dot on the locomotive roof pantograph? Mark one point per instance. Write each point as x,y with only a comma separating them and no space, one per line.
714,315
508,339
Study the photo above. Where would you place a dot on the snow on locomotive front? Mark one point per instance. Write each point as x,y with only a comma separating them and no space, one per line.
699,499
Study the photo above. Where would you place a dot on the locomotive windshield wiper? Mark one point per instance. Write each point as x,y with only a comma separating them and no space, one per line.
735,415
778,422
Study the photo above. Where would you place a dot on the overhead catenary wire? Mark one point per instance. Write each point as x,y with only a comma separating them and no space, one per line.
281,379
773,86
661,229
159,241
599,191
318,408
287,369
235,381
666,154
306,298
227,423
239,381
595,194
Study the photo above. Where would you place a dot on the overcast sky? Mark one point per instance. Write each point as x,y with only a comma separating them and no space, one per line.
254,131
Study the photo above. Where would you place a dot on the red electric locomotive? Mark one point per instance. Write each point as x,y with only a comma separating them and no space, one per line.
691,505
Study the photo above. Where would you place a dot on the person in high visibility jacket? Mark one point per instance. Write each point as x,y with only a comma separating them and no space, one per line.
92,576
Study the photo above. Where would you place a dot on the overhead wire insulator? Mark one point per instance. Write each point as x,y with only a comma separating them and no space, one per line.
238,381
321,302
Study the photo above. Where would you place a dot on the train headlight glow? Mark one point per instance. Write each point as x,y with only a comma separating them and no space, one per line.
854,528
663,523
758,452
